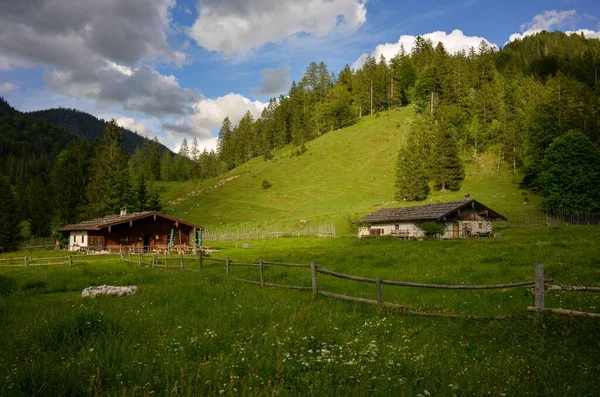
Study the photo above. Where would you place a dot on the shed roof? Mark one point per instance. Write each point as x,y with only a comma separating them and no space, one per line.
426,212
111,220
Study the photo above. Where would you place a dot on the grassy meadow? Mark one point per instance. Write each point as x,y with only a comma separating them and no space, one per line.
190,333
344,174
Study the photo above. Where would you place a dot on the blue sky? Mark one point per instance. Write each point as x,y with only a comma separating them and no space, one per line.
175,69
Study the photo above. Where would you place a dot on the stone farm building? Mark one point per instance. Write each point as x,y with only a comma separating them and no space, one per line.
150,230
461,219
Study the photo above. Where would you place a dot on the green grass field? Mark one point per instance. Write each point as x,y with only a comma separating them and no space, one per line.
204,333
344,173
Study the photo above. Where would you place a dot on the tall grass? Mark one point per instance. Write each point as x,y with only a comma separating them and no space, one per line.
205,334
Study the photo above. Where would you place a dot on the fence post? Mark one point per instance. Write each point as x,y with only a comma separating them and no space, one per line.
165,260
70,260
121,251
227,266
140,259
25,259
129,254
153,261
262,272
379,294
539,286
313,270
181,260
200,259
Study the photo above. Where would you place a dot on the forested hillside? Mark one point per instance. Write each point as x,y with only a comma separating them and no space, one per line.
89,128
522,104
51,177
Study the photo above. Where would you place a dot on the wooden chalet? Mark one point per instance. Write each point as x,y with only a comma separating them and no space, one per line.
461,219
149,231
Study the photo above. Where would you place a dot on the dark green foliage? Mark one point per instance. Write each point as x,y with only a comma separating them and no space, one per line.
432,229
411,175
90,128
571,174
9,222
109,188
69,179
268,156
446,168
266,184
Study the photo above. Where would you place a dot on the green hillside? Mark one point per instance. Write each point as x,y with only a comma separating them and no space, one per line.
348,172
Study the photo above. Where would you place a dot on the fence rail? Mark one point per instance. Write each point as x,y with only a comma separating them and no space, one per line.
540,284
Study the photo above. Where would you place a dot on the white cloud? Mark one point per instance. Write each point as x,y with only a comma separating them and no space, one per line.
552,19
132,125
454,42
235,27
208,117
7,86
98,50
210,113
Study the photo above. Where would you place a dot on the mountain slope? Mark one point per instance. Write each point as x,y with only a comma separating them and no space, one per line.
88,127
345,173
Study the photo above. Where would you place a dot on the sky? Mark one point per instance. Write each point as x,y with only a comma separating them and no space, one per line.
177,68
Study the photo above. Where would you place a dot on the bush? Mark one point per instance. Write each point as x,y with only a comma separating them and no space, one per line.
266,184
432,229
268,156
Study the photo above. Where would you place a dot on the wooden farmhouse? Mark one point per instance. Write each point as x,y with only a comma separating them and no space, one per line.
149,231
460,219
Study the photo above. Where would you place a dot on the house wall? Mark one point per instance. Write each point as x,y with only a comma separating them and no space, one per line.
387,229
475,226
147,232
78,239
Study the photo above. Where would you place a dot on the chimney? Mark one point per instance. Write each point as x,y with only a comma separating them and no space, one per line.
123,211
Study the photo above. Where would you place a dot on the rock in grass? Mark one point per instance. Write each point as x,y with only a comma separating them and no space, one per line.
92,292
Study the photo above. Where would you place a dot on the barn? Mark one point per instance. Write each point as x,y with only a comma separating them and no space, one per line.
150,231
460,219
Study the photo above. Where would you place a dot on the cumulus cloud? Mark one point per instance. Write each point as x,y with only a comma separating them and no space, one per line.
235,27
97,50
132,125
552,19
6,87
210,113
274,81
208,117
454,42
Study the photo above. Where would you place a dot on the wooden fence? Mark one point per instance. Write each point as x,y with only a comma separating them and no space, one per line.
541,287
177,261
269,230
68,260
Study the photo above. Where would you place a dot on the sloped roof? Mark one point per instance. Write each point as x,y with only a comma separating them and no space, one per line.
426,212
111,220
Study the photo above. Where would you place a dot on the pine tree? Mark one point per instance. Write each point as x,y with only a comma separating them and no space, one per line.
142,194
446,168
109,188
411,166
9,222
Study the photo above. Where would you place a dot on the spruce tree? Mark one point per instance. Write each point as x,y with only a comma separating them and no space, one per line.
9,222
411,167
446,168
109,188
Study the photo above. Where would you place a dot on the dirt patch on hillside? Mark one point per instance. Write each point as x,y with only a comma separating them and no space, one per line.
204,190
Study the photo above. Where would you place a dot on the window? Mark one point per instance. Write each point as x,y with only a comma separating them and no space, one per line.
397,227
480,225
82,239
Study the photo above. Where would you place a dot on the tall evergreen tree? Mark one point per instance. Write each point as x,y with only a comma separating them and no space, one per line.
109,188
446,168
9,222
